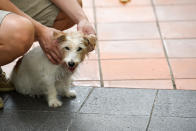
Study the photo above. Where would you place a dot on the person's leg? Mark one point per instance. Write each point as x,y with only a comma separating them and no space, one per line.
16,37
63,22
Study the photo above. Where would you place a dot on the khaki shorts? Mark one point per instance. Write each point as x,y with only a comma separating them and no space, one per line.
2,15
43,11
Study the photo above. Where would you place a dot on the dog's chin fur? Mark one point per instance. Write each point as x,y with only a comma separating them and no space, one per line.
34,74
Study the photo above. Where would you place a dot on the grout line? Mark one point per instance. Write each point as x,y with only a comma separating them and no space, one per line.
164,48
180,20
183,57
147,58
122,6
175,4
98,49
189,38
141,5
137,39
69,125
130,40
127,22
146,21
136,79
134,39
185,78
90,92
5,99
132,58
175,117
113,114
156,95
85,80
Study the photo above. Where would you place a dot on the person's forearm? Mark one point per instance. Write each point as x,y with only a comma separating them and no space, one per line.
72,9
9,6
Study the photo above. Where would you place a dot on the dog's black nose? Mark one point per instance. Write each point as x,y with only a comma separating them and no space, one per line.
71,64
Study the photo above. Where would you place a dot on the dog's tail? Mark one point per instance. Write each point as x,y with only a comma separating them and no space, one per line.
16,67
14,71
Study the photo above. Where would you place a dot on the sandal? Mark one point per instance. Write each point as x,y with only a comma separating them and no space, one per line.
5,85
1,103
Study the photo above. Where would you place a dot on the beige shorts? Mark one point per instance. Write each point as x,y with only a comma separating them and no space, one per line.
2,15
43,11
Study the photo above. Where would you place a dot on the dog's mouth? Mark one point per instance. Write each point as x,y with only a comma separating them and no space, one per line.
71,69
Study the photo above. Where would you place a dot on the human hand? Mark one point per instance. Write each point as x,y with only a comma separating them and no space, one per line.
49,45
85,27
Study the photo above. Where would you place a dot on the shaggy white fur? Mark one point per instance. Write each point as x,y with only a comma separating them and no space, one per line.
34,74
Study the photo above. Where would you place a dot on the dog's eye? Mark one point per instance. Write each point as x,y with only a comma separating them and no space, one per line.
67,48
79,49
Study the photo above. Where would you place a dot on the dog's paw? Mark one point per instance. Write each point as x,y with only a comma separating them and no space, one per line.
70,94
54,103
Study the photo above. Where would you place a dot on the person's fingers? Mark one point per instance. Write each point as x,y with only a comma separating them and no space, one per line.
54,54
88,30
91,31
57,51
55,57
51,59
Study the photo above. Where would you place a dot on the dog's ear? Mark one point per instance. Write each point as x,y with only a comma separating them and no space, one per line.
59,36
90,42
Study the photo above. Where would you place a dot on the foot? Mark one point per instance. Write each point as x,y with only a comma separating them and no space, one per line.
70,94
5,85
1,103
54,103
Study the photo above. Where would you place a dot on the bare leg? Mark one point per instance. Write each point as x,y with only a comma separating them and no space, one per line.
16,37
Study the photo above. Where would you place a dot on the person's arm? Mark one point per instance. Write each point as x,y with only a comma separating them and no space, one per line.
76,14
9,6
43,34
72,9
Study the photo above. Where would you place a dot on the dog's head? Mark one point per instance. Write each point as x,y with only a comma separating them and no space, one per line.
75,46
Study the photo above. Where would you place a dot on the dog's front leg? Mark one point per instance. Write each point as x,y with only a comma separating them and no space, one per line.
52,97
63,88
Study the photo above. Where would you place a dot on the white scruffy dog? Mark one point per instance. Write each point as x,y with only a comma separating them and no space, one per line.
34,74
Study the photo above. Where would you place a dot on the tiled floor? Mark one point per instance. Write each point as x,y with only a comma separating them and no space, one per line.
147,40
103,109
146,44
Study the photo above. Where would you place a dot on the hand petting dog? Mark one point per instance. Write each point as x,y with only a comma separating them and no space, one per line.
50,46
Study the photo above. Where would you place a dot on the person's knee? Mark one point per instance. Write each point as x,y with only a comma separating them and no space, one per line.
23,37
16,37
